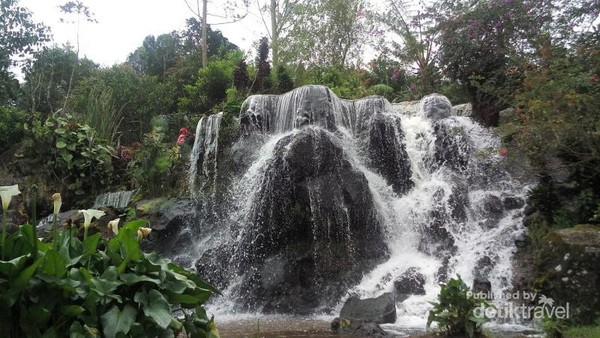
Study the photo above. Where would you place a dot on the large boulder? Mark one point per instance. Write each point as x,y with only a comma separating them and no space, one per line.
569,273
435,107
379,310
312,231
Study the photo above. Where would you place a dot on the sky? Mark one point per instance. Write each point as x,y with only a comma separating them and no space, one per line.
123,24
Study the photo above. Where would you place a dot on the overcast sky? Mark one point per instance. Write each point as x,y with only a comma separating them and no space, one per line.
123,25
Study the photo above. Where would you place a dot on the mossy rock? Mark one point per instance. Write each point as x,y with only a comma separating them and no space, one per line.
155,205
568,271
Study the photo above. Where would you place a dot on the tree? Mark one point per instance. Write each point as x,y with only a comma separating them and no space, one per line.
262,81
156,55
20,36
415,45
281,19
327,33
49,76
80,11
480,41
202,14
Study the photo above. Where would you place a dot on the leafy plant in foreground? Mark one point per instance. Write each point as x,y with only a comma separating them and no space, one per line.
455,310
95,287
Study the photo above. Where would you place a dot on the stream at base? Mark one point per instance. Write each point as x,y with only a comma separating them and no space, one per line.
281,326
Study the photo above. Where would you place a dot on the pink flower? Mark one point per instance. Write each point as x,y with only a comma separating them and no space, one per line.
182,136
503,152
593,79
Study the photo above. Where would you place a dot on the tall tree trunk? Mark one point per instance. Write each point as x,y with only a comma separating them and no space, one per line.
204,34
274,34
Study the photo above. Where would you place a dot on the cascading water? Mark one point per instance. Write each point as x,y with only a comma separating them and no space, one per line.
331,197
203,159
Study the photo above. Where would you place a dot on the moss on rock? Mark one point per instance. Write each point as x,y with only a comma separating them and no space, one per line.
568,271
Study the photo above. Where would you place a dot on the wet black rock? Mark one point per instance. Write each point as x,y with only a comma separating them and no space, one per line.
411,282
436,107
482,285
452,145
512,202
387,152
379,310
492,207
313,228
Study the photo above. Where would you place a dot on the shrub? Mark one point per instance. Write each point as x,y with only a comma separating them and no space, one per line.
455,310
69,155
157,164
11,127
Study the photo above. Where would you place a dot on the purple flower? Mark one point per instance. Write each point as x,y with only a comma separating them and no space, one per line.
395,74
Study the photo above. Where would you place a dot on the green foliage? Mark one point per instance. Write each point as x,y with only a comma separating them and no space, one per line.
284,80
480,42
346,83
12,123
211,85
158,164
102,114
69,155
455,310
323,34
19,37
47,79
96,287
262,81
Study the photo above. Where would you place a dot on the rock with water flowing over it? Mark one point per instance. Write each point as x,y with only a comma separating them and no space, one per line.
386,152
435,107
411,282
312,231
379,310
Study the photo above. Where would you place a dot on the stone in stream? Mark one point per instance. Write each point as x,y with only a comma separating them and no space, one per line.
379,310
411,282
362,328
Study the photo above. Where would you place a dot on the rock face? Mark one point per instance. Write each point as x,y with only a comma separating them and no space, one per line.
568,270
379,310
387,153
309,187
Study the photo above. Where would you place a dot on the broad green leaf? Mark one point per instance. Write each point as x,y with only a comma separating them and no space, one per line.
104,287
90,244
10,268
71,310
54,264
116,321
61,144
21,282
132,278
155,306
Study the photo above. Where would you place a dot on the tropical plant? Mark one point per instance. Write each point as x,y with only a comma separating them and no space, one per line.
95,287
67,154
454,312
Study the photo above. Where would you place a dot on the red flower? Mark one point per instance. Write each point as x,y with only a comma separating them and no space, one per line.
504,152
593,79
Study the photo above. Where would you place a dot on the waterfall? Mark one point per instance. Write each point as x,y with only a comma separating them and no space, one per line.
331,197
119,199
203,158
